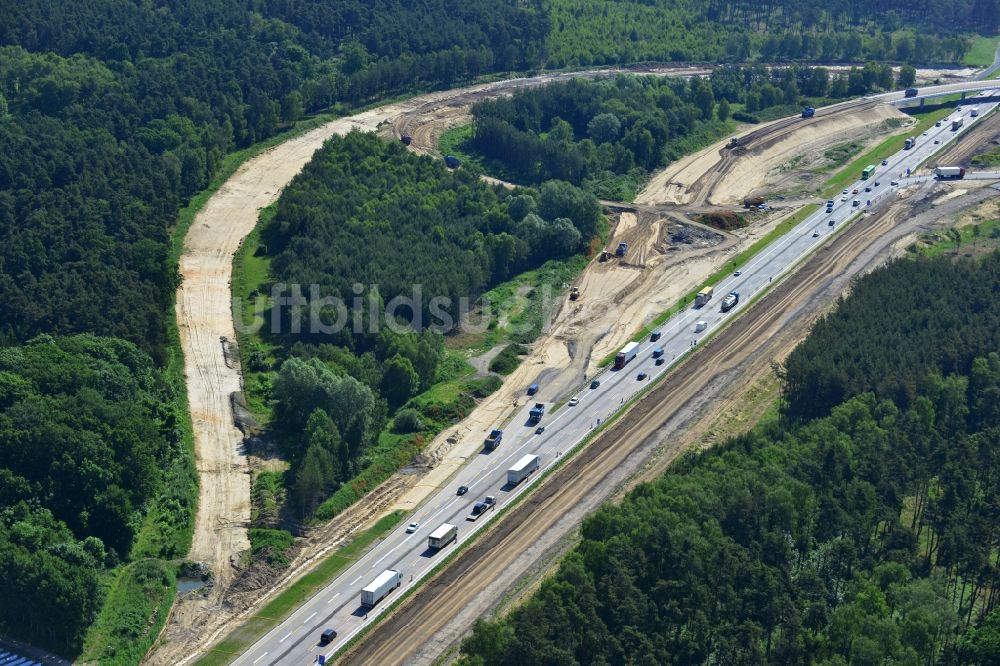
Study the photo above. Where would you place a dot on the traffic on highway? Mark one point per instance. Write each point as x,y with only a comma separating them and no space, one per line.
330,619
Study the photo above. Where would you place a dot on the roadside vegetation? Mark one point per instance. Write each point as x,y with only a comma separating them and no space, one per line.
276,610
608,135
114,118
602,135
586,33
111,119
93,484
352,403
855,528
982,52
988,159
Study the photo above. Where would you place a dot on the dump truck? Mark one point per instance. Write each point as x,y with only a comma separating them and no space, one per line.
808,112
452,162
957,124
730,301
627,353
946,173
406,139
704,296
522,469
536,413
493,440
733,142
621,250
378,589
574,293
752,202
442,536
910,92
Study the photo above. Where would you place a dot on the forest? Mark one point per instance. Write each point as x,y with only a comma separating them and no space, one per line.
104,133
863,532
588,132
602,33
368,222
88,442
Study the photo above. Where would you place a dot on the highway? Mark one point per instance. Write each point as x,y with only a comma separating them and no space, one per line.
338,606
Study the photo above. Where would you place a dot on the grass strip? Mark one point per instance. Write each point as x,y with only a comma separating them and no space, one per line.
276,610
982,52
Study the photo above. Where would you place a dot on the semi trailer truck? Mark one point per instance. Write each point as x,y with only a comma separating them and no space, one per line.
379,588
522,469
442,536
627,353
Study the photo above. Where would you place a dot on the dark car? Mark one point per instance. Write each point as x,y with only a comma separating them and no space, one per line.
539,430
642,375
658,361
654,336
327,636
594,384
462,490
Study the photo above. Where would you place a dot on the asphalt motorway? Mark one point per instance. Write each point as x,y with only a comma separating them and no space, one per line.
338,606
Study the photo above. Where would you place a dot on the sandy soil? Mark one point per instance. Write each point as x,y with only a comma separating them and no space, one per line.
665,260
715,176
206,327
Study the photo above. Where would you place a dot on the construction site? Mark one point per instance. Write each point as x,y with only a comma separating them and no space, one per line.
720,391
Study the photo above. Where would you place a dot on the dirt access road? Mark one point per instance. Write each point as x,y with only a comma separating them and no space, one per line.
211,367
424,627
666,260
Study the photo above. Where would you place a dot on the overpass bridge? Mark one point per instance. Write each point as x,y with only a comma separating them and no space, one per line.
966,89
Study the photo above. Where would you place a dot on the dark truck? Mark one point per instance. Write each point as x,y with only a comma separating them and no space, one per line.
493,441
536,413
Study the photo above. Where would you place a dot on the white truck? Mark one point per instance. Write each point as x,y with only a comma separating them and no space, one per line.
442,536
522,469
379,588
944,173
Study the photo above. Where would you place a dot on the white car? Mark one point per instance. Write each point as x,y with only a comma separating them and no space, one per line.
574,402
843,198
894,183
412,527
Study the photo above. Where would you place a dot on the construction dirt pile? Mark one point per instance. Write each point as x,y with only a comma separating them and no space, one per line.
760,166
